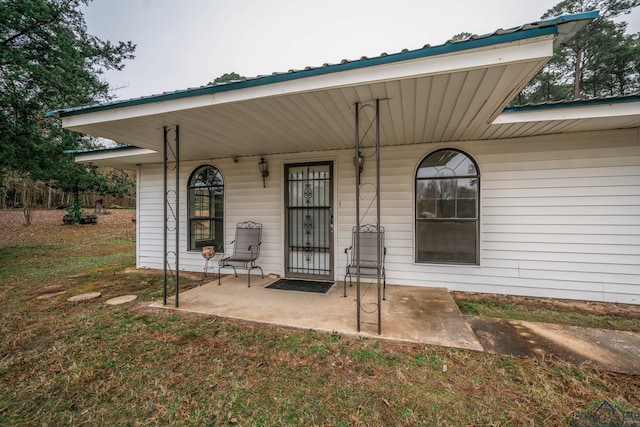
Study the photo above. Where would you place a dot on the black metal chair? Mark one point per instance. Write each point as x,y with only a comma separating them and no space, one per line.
368,264
246,250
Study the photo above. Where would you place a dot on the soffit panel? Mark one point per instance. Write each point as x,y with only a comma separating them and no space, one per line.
436,108
516,130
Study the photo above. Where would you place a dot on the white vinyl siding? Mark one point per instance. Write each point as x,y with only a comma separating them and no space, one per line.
559,215
567,219
245,200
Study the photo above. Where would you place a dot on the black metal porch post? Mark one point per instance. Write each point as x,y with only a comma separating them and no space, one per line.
177,213
164,213
378,243
357,239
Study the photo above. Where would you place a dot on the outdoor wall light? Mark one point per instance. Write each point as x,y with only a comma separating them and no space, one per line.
358,162
264,170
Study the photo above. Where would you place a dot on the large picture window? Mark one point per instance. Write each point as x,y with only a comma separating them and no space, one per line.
206,209
447,195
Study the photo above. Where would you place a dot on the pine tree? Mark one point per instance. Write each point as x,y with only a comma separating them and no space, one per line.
601,60
48,61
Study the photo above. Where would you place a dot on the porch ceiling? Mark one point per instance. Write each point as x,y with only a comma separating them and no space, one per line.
436,99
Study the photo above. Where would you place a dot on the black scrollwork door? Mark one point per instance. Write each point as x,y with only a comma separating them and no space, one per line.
309,251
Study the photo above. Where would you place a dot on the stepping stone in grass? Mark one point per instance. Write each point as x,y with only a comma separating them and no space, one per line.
121,300
49,289
51,295
84,297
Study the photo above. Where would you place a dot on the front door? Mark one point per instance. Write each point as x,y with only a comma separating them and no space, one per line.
309,240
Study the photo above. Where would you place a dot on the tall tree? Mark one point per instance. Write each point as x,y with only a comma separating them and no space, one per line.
48,61
601,60
612,64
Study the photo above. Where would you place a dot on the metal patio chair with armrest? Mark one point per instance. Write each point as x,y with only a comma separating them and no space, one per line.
246,250
368,264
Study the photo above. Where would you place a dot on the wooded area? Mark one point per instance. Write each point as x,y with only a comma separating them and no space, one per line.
14,189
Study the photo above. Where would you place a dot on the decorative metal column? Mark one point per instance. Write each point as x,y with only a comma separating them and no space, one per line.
357,240
171,212
359,145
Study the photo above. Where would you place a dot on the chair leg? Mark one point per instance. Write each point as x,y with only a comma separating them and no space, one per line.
235,272
384,287
345,282
249,274
220,268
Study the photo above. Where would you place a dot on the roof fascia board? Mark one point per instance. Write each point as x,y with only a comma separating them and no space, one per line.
536,49
547,28
568,26
540,48
568,112
91,156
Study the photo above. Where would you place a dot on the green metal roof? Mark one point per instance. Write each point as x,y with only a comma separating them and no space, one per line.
536,29
592,102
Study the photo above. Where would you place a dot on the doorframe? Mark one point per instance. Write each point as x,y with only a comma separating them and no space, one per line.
285,204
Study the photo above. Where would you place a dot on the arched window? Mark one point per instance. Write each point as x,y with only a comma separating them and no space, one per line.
447,205
206,208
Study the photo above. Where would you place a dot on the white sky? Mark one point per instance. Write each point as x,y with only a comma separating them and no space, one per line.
187,43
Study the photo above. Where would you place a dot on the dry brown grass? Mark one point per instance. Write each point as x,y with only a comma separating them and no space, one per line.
47,227
91,364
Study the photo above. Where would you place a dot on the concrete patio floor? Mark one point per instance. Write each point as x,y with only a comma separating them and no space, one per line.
409,314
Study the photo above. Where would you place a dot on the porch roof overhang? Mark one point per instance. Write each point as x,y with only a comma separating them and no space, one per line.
452,92
567,116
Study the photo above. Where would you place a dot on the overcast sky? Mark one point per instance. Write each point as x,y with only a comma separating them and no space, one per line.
187,43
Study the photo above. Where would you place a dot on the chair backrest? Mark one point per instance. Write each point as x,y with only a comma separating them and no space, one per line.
368,241
247,242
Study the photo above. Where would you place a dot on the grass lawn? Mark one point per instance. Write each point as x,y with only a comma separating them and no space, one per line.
621,317
64,363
